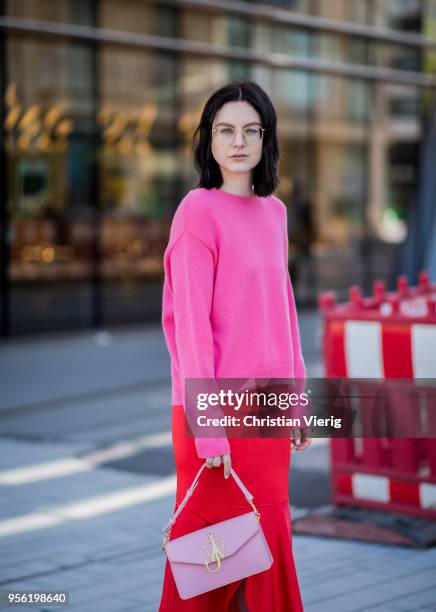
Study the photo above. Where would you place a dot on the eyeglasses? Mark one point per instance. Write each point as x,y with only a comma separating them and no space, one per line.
225,135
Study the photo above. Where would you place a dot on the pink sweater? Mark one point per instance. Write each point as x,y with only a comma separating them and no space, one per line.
228,308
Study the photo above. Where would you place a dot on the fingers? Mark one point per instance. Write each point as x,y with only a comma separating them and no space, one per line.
300,439
227,465
306,439
303,445
216,462
213,461
296,436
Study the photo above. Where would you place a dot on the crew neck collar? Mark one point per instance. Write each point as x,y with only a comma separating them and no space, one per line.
235,197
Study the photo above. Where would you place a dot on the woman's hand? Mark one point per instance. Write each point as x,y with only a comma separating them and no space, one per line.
216,462
300,438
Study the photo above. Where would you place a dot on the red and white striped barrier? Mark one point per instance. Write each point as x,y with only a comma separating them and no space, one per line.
384,349
384,336
378,491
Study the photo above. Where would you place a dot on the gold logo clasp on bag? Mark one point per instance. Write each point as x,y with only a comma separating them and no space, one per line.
216,554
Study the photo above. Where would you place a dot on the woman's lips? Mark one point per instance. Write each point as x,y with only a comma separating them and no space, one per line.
239,157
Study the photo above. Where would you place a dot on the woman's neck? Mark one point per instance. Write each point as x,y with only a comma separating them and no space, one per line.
237,190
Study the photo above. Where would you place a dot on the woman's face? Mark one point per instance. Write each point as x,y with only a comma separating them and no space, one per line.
234,118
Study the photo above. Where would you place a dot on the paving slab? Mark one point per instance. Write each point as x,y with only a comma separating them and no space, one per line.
101,538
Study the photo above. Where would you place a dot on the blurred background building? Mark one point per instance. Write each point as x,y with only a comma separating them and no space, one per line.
99,101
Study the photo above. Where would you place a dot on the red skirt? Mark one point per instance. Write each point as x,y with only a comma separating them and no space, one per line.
263,465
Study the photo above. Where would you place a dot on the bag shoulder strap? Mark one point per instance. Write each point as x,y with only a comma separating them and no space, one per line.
189,492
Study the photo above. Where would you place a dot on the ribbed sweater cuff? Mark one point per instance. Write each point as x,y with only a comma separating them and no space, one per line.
300,410
210,447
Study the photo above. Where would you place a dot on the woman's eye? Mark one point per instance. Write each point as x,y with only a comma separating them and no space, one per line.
226,131
251,131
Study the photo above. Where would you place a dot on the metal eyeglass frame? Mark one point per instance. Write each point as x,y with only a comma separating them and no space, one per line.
260,140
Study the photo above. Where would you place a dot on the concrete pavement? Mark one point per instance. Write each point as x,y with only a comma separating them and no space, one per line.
66,523
87,482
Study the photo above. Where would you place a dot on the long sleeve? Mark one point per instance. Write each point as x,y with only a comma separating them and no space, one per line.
299,365
192,278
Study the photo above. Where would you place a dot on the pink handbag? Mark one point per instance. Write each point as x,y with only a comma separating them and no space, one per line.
217,554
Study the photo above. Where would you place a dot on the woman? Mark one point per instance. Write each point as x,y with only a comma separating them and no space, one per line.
228,311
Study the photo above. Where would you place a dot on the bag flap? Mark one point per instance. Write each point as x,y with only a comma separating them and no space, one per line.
228,536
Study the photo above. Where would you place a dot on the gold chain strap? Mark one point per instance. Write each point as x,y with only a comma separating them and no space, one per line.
256,512
166,537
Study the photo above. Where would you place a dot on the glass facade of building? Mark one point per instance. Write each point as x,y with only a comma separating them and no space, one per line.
99,101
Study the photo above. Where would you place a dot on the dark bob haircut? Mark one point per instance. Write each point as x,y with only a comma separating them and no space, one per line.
265,177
